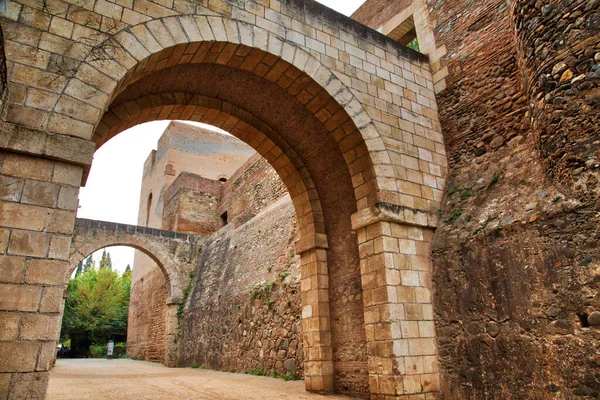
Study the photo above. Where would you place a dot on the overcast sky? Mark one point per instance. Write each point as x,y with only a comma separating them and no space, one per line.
112,191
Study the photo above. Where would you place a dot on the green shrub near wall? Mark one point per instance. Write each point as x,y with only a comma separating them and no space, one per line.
99,350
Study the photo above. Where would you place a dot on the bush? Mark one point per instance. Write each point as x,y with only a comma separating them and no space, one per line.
120,350
290,376
98,350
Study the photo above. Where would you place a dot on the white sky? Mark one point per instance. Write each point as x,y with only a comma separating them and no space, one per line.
112,192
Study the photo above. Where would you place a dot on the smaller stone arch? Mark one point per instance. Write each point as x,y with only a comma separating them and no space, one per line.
174,253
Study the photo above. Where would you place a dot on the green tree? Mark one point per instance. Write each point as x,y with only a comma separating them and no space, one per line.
105,262
88,263
414,44
78,270
96,308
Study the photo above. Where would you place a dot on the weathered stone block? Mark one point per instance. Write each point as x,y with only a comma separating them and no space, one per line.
4,382
15,215
11,188
40,99
9,325
26,115
4,233
46,356
59,247
27,243
18,356
77,150
27,167
39,327
21,139
68,174
28,386
11,269
52,300
68,126
430,382
40,193
46,272
412,384
19,297
422,347
60,221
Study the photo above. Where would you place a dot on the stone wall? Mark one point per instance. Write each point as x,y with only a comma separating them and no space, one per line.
147,317
559,51
2,69
191,205
243,311
253,187
515,260
516,272
248,194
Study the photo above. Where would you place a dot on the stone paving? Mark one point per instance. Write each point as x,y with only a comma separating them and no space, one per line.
95,379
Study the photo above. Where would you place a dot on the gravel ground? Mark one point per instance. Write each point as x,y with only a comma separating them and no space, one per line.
97,379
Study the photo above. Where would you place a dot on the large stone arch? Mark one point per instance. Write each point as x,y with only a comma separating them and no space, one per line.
367,147
317,221
328,171
138,51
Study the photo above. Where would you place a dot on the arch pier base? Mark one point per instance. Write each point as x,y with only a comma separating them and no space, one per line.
37,214
316,329
396,281
172,335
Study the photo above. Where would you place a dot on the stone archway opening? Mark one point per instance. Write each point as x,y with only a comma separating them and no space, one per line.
328,104
155,316
312,245
311,140
150,315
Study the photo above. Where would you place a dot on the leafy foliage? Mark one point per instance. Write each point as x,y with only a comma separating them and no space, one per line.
88,263
97,306
414,44
290,376
100,350
105,261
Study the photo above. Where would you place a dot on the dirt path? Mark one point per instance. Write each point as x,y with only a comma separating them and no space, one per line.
93,379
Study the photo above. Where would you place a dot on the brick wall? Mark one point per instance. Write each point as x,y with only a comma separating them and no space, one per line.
147,317
191,205
253,187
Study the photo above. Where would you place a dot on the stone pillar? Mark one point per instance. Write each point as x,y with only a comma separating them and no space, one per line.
38,200
171,335
396,280
316,329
